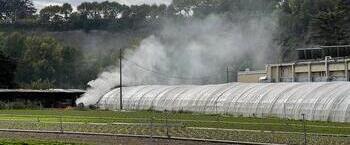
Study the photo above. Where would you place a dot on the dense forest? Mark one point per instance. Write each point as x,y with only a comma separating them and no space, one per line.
36,53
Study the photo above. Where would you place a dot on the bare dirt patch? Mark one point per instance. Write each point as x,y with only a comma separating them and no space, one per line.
98,139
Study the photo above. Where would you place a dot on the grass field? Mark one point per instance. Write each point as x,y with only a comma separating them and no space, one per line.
221,127
34,142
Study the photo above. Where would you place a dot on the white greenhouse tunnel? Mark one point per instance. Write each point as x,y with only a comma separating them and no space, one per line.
328,101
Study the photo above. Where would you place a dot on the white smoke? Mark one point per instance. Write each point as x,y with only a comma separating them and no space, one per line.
195,52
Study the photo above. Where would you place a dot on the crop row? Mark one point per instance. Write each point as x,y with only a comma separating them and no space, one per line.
179,131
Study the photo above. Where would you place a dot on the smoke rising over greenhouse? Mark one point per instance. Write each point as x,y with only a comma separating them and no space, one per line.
195,52
171,70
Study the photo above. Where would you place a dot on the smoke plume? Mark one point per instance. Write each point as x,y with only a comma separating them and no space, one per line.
195,52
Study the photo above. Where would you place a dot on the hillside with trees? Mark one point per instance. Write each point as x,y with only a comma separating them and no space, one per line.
37,49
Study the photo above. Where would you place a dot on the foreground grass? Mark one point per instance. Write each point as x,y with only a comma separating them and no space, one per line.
34,142
271,130
187,119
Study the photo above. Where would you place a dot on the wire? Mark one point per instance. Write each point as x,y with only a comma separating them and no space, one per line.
164,74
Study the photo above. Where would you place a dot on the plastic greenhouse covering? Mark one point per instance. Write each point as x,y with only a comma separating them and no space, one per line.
328,101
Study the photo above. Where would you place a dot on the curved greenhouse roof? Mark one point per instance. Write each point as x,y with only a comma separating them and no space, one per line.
328,101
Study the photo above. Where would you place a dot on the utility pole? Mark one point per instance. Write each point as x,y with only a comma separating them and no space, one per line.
120,80
227,75
327,58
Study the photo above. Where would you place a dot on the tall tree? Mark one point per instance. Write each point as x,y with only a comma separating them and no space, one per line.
66,10
112,10
294,21
7,73
12,10
51,14
91,10
36,61
7,67
13,45
330,26
184,7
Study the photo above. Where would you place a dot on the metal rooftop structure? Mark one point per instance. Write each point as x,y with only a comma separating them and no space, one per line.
321,52
41,91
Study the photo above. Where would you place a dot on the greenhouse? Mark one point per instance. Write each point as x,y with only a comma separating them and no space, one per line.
328,101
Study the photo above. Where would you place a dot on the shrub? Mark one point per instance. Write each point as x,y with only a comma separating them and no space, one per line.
92,107
18,105
3,105
32,105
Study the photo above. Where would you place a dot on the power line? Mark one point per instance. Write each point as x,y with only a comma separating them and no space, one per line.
156,72
164,74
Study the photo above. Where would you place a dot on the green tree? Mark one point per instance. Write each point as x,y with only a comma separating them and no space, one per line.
112,10
13,45
51,15
70,68
294,21
57,17
89,15
330,26
184,7
141,16
91,10
12,10
308,22
40,61
7,66
66,10
7,73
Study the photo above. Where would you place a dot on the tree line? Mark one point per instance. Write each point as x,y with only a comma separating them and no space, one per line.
35,61
324,22
308,23
38,62
89,15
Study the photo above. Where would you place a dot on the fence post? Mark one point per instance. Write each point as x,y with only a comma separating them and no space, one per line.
287,129
304,127
151,127
13,121
218,122
41,105
61,124
37,123
8,105
284,111
166,124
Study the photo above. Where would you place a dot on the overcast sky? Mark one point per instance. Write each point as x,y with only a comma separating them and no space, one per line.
42,3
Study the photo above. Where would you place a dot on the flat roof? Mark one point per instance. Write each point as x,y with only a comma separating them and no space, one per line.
336,46
42,91
333,60
251,72
322,47
314,48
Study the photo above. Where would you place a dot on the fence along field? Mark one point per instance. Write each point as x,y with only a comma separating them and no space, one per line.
171,124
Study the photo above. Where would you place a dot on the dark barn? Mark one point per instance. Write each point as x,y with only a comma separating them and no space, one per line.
55,98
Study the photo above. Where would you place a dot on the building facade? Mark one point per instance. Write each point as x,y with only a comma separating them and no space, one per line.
312,71
323,64
251,76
